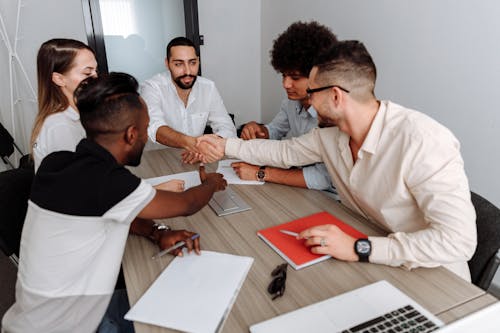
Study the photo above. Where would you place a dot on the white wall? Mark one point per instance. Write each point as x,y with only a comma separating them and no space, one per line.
439,57
37,22
231,54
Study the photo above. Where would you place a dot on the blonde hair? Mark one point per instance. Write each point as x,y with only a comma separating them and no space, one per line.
55,55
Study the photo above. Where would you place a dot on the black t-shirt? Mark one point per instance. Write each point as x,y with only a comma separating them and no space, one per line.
87,182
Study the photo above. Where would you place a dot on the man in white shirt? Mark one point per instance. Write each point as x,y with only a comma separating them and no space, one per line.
396,167
181,104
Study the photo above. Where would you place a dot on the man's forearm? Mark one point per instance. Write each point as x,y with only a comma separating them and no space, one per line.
170,137
292,177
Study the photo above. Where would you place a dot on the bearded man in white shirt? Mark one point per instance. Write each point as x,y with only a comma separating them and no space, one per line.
181,103
394,166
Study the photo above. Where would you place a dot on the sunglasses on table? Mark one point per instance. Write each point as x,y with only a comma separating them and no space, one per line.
277,286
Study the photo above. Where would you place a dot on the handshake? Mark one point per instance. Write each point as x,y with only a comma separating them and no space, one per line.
207,148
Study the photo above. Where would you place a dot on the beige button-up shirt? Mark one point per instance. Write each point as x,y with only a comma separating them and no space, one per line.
409,178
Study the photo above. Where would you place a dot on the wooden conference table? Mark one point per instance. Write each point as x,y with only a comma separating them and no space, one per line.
440,291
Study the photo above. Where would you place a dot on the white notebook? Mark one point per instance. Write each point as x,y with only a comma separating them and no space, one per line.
351,310
483,321
194,293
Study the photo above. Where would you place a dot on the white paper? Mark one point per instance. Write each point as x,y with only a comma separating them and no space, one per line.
231,176
191,179
194,293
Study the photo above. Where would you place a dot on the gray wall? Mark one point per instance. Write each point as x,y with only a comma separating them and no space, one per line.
231,54
439,57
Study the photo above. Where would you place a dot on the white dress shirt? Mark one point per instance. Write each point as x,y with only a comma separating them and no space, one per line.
409,179
204,107
60,131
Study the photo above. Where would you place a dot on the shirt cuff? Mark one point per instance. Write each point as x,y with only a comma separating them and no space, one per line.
380,250
232,147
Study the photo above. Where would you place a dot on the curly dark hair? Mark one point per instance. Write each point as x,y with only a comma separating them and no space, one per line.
296,48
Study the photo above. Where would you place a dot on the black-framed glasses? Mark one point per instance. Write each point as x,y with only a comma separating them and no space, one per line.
310,91
277,286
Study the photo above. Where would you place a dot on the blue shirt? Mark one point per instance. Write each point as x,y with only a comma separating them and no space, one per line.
294,120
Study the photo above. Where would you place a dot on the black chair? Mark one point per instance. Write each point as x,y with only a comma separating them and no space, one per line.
7,146
15,187
486,260
208,129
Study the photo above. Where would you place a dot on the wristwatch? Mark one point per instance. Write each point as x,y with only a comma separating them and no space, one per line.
363,248
158,227
261,174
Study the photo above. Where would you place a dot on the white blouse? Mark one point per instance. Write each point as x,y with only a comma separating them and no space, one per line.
60,131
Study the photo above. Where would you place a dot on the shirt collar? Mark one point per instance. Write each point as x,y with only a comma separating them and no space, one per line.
87,147
173,86
373,137
298,108
72,114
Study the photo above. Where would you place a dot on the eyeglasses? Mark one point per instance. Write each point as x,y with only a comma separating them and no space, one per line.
312,91
277,286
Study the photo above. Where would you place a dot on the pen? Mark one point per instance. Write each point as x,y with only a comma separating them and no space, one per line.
174,247
290,233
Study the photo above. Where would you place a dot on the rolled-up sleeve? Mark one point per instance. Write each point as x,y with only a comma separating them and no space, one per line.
317,178
151,93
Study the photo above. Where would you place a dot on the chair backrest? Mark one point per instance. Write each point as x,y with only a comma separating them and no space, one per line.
485,260
6,142
15,188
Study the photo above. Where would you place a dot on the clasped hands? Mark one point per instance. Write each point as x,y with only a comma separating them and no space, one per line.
208,148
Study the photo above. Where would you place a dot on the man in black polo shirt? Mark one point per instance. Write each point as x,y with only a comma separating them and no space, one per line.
81,209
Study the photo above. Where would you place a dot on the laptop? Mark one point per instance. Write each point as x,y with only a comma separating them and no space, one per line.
378,307
227,202
485,320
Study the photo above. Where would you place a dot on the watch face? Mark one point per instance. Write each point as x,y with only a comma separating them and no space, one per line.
261,174
363,247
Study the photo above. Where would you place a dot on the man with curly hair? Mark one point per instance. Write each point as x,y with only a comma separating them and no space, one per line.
292,56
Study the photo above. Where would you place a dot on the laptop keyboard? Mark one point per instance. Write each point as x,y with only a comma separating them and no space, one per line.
404,319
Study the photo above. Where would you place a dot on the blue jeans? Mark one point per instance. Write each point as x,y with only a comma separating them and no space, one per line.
113,321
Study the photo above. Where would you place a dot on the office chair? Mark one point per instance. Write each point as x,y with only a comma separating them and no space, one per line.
486,260
15,188
208,129
7,146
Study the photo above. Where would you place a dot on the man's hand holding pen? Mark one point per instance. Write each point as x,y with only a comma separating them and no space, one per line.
172,237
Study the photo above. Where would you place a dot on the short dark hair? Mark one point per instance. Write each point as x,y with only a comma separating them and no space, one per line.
108,104
296,47
348,64
179,41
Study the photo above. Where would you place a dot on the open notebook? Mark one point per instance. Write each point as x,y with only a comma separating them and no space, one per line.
378,307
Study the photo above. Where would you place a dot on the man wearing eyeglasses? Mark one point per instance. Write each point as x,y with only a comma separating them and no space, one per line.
396,167
292,56
181,103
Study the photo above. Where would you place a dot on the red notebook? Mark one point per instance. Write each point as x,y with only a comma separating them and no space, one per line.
294,251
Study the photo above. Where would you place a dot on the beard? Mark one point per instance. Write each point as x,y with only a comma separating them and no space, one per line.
181,85
135,158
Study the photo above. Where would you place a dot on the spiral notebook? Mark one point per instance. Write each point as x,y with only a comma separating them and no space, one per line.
294,251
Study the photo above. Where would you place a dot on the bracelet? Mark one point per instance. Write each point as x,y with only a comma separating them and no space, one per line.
158,227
